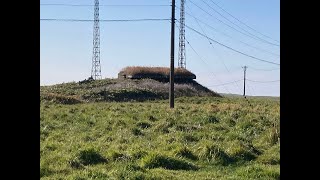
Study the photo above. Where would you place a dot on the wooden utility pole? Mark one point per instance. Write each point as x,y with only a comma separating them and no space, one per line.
171,92
244,80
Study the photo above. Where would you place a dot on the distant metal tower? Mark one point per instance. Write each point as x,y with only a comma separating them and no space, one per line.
182,38
96,67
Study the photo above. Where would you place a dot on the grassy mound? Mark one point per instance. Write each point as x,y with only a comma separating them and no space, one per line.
120,91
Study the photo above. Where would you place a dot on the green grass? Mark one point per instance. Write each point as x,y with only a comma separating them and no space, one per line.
202,138
161,161
86,133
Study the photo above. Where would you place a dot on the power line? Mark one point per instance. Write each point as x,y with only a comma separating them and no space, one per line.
252,91
225,83
249,92
205,64
213,47
242,22
109,5
232,26
264,69
103,20
200,26
263,81
221,32
253,57
238,25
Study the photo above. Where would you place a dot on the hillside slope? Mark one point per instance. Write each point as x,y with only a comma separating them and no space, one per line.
120,90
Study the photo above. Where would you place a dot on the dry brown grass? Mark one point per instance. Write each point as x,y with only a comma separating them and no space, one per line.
140,70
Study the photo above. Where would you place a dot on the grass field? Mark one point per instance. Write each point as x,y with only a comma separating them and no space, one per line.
202,138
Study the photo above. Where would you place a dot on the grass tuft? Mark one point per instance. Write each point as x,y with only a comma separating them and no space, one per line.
161,161
185,152
215,155
87,157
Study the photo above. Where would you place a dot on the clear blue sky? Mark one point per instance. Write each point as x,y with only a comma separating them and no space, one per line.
66,47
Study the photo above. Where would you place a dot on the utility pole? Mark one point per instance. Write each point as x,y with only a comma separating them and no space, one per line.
244,80
96,67
171,92
182,37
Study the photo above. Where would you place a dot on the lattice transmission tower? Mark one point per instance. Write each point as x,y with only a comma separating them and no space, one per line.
96,67
182,37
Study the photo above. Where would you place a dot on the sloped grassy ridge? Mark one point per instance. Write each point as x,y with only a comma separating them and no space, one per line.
120,90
